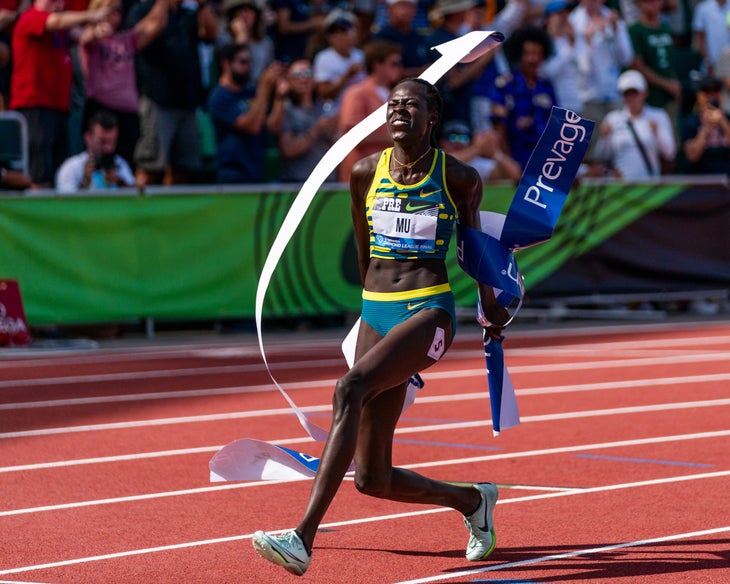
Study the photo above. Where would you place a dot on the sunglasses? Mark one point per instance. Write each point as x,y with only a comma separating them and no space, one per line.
303,74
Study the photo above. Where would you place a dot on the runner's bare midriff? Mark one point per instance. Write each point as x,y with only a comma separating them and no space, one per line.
385,275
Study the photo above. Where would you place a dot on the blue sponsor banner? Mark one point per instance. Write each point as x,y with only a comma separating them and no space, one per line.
546,179
486,260
502,399
487,255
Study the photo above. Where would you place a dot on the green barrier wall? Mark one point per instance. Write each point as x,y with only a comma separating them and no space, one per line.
198,254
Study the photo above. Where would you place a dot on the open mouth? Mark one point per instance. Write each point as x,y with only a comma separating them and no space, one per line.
400,123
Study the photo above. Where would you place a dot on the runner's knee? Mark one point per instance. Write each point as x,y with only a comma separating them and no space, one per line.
348,395
375,483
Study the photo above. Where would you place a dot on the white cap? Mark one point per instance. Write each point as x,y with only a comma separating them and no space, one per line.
631,79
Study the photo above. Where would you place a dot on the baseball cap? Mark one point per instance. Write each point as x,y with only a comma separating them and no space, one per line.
339,20
631,79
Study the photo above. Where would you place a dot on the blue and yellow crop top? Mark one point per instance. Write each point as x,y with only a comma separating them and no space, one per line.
410,221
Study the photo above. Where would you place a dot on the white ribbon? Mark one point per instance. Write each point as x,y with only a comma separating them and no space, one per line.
463,49
249,459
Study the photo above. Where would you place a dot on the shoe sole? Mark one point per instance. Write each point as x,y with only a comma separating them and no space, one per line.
491,493
270,553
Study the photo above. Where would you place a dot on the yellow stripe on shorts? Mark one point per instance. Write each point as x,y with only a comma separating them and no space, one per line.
406,294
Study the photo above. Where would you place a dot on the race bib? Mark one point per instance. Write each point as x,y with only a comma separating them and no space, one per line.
405,224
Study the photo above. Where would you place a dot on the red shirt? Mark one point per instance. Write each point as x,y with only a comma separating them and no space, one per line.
42,68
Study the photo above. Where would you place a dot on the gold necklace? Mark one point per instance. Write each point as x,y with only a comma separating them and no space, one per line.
410,164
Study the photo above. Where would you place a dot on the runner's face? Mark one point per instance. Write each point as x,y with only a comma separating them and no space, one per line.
408,114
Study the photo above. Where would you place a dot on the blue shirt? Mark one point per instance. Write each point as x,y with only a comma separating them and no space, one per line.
241,156
528,111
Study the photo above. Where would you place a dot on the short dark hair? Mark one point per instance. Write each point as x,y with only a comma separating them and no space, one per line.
103,118
515,44
229,51
378,51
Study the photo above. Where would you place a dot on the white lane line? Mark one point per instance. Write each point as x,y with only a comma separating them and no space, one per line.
184,393
448,462
565,555
31,359
547,367
167,373
281,442
373,520
327,408
607,361
329,383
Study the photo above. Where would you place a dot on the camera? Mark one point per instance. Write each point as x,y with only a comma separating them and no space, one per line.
104,162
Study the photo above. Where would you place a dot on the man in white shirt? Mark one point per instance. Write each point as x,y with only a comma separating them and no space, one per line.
341,64
710,29
99,166
604,49
637,137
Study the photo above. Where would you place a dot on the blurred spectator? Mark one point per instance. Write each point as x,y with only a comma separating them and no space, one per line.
245,25
654,58
421,19
481,151
710,29
41,80
561,67
296,20
456,86
605,49
638,137
506,21
678,14
384,67
523,99
99,167
365,14
627,9
341,64
11,179
706,132
9,12
723,74
239,110
307,131
416,51
107,61
4,72
170,90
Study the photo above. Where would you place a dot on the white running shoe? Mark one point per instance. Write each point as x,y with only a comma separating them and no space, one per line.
482,538
286,550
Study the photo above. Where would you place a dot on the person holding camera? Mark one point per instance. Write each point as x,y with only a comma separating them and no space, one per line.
99,166
706,132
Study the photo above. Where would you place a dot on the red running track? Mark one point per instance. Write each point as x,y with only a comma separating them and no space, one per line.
619,472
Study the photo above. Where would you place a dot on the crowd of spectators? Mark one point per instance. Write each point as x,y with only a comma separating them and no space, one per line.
275,82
